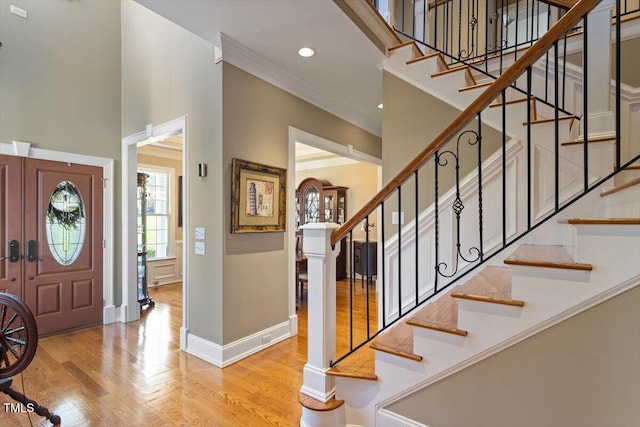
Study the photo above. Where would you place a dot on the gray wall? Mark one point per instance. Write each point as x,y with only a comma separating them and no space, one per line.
60,81
582,372
257,116
168,72
630,62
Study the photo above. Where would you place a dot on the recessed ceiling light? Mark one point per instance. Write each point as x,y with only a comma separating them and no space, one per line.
306,52
380,106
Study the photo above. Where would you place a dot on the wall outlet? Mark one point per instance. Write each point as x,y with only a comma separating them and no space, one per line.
199,248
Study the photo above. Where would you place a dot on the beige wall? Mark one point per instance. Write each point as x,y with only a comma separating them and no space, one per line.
60,82
630,62
167,73
257,116
411,120
582,372
361,178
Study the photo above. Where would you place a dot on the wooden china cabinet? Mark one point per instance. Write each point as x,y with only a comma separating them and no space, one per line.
319,201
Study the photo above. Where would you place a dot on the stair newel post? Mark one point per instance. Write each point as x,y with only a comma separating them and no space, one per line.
599,52
321,268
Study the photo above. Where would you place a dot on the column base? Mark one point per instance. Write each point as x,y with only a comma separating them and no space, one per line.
319,414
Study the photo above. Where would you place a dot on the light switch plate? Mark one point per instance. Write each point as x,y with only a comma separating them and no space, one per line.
199,234
397,219
199,248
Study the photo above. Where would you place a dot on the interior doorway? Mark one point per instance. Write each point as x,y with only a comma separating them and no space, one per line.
311,155
156,138
159,231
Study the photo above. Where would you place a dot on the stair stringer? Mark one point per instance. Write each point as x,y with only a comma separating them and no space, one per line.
550,297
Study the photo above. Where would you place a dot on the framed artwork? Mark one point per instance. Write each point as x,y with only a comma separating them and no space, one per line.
258,197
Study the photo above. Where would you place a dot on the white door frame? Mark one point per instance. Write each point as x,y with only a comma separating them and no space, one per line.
24,149
298,135
130,309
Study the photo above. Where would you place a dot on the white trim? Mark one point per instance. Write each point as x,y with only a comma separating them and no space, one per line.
222,356
246,59
560,317
387,418
130,309
24,149
302,165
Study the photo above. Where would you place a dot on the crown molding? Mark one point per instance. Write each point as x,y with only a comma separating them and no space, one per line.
248,60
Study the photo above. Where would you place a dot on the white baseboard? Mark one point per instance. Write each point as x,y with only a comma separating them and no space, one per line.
110,314
222,356
386,418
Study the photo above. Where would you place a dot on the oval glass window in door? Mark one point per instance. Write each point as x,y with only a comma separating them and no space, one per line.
65,223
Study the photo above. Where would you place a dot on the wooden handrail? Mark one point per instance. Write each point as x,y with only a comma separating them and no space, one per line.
564,24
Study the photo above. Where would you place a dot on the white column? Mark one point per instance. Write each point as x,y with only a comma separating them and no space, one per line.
321,311
601,119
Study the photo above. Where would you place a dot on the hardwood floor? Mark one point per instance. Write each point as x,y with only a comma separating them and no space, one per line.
134,374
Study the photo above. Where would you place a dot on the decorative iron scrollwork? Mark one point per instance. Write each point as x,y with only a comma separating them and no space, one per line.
442,159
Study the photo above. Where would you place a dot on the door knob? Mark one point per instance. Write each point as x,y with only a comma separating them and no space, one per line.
13,279
14,251
32,251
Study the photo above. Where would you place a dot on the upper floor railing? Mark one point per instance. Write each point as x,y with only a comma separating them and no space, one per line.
474,31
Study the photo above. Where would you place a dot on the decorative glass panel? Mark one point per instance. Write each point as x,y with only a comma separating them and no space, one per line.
65,223
312,205
328,209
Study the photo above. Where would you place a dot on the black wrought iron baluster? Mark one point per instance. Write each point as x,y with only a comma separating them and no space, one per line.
436,225
480,212
618,77
435,23
417,234
365,264
458,205
459,28
424,22
529,171
585,113
504,168
384,284
503,32
399,252
413,20
557,128
404,29
486,37
564,70
351,276
538,20
546,77
526,31
515,58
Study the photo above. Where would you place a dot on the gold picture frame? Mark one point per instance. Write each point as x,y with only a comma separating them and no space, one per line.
258,197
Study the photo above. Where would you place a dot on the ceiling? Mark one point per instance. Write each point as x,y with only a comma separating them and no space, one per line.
344,74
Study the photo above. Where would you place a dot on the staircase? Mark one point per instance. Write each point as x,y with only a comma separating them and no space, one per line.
564,254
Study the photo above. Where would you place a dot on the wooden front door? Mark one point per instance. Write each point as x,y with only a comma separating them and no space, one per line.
59,273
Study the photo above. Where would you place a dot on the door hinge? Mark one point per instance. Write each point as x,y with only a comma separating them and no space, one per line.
104,182
104,243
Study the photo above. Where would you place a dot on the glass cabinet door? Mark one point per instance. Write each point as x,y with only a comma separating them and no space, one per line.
328,209
341,209
312,205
